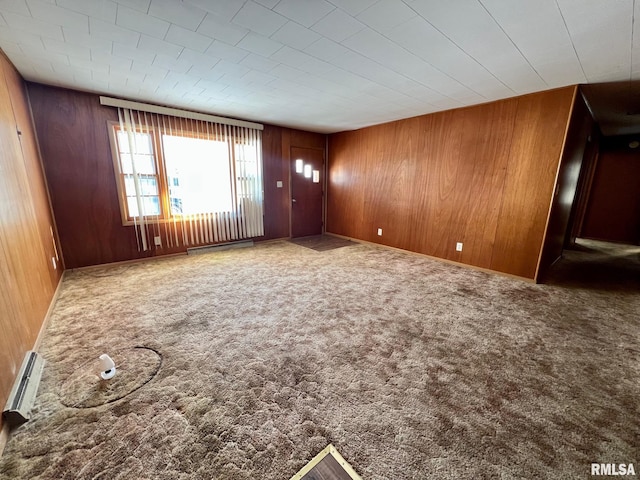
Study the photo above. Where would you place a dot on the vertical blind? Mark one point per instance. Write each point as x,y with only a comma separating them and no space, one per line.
188,182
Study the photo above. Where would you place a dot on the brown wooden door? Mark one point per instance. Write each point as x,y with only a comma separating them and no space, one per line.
613,212
306,191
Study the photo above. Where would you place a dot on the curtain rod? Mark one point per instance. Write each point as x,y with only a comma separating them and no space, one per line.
175,112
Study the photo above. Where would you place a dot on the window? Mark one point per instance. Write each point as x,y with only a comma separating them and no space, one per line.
183,181
199,174
144,161
181,174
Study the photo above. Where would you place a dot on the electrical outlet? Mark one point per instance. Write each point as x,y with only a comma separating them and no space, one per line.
458,246
279,184
157,241
379,232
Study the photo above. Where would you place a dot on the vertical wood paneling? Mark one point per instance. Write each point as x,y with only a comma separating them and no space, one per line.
487,138
276,200
440,139
481,175
302,139
347,186
536,146
27,277
392,152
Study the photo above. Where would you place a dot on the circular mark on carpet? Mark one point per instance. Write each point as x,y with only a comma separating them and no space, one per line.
135,367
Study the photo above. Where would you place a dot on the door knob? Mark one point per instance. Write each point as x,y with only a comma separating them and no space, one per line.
293,200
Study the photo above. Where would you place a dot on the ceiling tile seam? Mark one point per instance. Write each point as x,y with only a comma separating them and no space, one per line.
354,15
29,9
249,30
349,36
573,45
462,49
37,20
139,32
40,38
90,49
428,63
146,12
512,42
199,24
325,16
395,72
164,37
302,26
139,37
370,80
357,53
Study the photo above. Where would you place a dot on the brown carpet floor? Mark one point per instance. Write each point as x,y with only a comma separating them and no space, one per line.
412,368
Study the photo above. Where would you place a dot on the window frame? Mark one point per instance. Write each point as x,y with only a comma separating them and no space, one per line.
161,177
165,216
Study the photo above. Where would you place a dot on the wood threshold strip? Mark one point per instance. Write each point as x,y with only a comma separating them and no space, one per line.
328,450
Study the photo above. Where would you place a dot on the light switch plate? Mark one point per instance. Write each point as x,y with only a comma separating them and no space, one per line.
279,184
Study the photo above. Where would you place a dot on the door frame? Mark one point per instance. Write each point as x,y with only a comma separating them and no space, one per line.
323,182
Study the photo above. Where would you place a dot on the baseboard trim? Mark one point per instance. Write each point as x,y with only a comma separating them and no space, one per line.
219,247
437,259
5,431
4,437
47,317
133,261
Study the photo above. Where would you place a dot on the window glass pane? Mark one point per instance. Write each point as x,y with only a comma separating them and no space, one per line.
129,187
132,206
144,163
198,174
150,204
247,169
141,142
148,185
247,158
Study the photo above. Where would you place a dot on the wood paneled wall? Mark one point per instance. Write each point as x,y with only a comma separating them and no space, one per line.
276,154
580,133
73,136
27,277
613,209
481,175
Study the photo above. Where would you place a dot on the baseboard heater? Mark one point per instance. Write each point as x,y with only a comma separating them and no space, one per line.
23,394
218,247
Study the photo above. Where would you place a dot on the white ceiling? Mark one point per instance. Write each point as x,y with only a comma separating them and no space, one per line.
321,65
